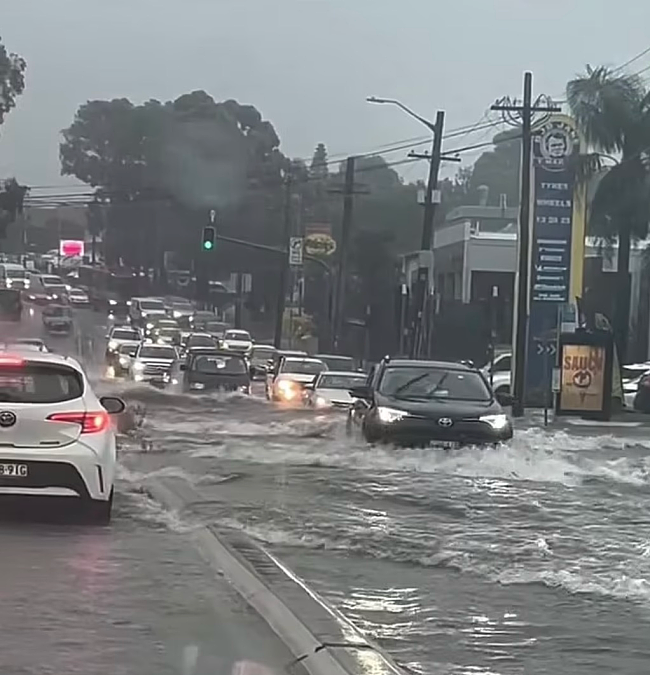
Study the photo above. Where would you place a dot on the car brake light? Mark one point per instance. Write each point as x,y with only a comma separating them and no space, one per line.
90,422
11,361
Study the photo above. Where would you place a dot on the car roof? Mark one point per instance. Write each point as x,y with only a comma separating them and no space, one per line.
333,356
345,373
291,352
414,363
302,359
42,357
206,335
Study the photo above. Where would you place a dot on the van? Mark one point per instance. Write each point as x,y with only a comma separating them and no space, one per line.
14,276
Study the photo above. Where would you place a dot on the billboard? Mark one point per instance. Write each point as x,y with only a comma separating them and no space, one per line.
72,248
557,246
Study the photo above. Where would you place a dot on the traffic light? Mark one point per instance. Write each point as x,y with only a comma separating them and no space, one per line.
209,235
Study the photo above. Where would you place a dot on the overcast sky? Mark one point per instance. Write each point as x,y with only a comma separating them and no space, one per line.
307,65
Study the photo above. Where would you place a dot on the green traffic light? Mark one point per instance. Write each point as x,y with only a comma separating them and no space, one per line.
207,245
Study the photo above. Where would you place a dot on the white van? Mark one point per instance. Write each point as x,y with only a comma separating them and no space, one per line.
14,276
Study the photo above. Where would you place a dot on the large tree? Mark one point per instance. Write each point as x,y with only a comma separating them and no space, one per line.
612,109
12,80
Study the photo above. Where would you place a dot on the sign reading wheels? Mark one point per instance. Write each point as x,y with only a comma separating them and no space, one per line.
557,245
553,147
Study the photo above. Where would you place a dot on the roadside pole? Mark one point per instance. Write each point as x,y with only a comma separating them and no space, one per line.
525,111
421,342
284,270
348,203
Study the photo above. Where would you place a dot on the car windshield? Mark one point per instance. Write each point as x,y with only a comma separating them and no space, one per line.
52,281
263,353
125,334
39,383
152,305
337,362
77,291
182,306
328,381
430,382
200,341
16,274
128,350
168,332
216,326
154,352
237,335
218,364
57,311
302,366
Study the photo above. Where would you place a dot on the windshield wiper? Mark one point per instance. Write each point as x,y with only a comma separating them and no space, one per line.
409,383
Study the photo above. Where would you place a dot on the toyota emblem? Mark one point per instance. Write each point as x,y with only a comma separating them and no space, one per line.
443,421
7,418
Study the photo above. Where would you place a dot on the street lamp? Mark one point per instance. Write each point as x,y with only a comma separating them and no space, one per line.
430,125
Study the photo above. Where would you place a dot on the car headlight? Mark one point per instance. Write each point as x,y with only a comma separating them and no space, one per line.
176,314
112,303
149,326
138,365
124,362
245,389
497,422
112,345
390,415
197,385
10,282
287,389
322,402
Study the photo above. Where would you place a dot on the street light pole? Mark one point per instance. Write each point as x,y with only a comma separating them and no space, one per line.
418,343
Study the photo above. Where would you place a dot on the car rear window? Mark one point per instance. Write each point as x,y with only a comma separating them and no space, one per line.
39,383
125,335
222,365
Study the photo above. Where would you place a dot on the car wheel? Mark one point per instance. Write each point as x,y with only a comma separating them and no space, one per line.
99,512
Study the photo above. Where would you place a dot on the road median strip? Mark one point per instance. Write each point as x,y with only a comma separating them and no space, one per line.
342,650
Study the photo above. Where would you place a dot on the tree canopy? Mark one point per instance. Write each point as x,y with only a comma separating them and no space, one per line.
12,80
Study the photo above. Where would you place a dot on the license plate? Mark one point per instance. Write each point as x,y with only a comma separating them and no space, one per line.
446,445
14,470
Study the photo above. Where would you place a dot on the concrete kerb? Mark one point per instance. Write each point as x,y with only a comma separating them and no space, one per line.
307,649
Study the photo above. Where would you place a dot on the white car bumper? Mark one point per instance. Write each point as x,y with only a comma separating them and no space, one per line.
73,470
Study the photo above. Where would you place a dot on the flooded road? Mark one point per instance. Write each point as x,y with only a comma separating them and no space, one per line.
532,558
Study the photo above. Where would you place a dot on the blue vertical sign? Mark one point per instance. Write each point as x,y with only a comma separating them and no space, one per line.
554,145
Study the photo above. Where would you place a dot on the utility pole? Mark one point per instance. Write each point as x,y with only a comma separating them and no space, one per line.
431,201
525,111
284,270
348,203
348,192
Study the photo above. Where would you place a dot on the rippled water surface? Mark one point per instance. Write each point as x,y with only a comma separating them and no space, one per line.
531,558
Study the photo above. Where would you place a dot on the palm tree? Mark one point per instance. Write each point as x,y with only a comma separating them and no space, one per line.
612,110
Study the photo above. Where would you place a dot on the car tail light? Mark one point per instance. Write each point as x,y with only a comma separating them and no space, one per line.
90,422
645,381
8,360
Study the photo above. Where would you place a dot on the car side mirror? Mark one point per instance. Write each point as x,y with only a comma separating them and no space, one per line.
108,337
505,398
361,391
310,387
182,366
112,404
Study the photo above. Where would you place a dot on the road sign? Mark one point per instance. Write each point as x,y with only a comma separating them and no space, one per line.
549,348
296,245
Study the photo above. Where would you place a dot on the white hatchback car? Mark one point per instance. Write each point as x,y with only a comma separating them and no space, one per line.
56,436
